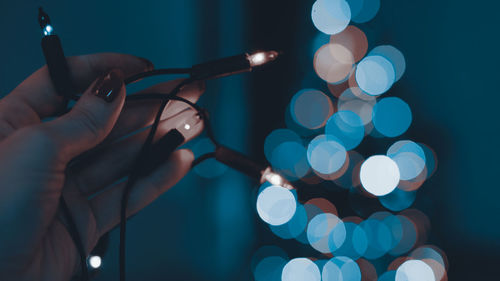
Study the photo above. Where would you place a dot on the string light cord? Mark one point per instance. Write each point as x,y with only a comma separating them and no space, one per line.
210,70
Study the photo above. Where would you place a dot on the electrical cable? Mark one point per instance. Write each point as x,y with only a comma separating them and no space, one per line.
202,158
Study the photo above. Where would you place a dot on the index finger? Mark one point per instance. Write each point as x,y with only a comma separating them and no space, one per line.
37,91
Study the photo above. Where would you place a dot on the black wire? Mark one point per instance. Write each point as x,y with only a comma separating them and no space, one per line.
202,158
162,71
134,177
75,236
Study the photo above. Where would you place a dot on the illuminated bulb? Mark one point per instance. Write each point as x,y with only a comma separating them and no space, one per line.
275,179
95,261
48,30
190,120
260,58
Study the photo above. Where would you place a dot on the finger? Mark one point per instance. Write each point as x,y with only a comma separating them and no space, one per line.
91,119
139,114
106,205
38,93
113,162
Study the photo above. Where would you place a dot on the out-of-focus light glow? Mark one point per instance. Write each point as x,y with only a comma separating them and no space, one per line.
290,160
348,127
276,205
391,116
379,238
333,63
363,10
394,56
269,269
388,276
361,105
351,177
353,39
95,261
398,199
301,269
326,233
48,30
379,175
415,270
356,242
375,75
294,227
341,268
311,108
408,237
325,154
331,16
277,137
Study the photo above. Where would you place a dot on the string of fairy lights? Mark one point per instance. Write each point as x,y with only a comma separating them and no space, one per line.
323,130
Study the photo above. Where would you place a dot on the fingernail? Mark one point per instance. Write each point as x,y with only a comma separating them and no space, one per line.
109,85
149,65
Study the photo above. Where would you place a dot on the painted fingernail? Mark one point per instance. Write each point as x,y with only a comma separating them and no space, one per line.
109,85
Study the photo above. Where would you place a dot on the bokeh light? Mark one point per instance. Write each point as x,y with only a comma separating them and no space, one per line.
408,236
269,269
326,233
351,177
379,238
301,269
326,154
363,10
379,175
290,159
311,108
394,56
391,116
388,276
333,63
375,75
356,242
276,205
354,39
354,100
294,227
341,268
331,16
347,127
277,137
415,270
398,199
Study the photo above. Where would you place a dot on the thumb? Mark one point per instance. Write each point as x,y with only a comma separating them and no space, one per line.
92,117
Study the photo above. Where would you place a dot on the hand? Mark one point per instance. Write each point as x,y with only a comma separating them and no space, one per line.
34,156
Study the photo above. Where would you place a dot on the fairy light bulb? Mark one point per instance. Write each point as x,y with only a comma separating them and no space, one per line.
268,175
262,57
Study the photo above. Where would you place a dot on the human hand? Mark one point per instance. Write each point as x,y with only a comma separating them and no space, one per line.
34,156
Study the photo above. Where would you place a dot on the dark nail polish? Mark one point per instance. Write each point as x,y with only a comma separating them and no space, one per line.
109,85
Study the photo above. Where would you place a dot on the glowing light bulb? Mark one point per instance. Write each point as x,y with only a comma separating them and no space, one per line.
188,120
48,30
95,261
260,58
275,179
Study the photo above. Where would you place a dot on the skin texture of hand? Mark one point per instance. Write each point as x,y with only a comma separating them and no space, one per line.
34,158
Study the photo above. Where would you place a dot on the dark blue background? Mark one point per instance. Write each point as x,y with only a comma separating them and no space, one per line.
208,229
